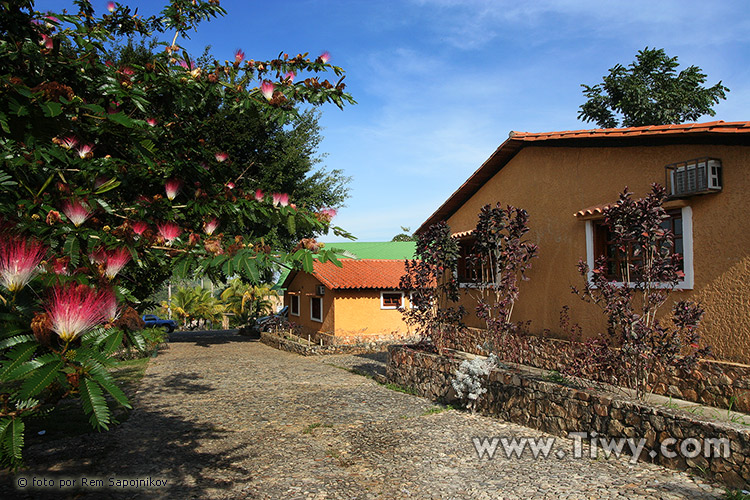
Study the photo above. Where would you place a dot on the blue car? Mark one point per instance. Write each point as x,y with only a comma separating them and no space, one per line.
154,321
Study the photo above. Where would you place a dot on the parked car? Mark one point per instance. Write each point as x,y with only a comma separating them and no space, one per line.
155,321
265,323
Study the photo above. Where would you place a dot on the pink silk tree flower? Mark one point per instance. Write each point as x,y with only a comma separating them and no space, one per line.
172,187
325,56
86,151
69,142
169,231
259,196
280,199
116,260
290,76
151,122
328,213
76,211
19,262
98,256
266,88
111,6
60,266
221,157
239,56
47,42
211,226
139,227
230,185
74,310
110,309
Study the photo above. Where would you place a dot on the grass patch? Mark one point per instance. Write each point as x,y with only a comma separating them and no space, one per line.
400,388
437,409
736,495
68,419
311,427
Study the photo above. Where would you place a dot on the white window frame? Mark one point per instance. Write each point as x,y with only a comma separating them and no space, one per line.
687,283
312,309
291,307
382,304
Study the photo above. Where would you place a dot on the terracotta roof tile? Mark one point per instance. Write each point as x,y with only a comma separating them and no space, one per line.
365,273
462,234
593,211
714,127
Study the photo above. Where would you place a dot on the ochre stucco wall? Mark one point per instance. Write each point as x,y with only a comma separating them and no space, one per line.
552,183
358,313
304,285
345,312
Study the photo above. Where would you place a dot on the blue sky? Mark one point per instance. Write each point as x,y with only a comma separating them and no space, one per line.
441,83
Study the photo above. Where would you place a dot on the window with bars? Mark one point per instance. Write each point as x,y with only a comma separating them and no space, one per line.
617,258
391,300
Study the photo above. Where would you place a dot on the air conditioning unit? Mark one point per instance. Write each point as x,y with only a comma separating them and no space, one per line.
320,290
699,176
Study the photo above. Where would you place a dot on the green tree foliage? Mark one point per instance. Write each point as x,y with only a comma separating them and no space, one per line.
111,179
274,156
406,235
650,92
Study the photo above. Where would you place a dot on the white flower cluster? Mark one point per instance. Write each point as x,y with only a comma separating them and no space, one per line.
470,378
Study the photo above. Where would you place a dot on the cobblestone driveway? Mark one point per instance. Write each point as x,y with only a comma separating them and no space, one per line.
220,416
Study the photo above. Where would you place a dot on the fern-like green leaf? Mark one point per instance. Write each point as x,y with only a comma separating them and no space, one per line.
18,339
16,438
39,380
94,404
137,340
104,379
16,358
113,341
85,353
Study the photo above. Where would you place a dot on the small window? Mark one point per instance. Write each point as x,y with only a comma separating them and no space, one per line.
468,271
617,258
294,305
316,309
599,243
391,300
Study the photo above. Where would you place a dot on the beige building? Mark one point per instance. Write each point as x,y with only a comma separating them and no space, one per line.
564,179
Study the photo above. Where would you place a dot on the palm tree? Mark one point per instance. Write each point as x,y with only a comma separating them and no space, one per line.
248,301
206,306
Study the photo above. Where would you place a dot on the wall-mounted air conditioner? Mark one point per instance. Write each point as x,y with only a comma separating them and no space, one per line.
699,176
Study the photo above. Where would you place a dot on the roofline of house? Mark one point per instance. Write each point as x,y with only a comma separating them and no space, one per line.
718,132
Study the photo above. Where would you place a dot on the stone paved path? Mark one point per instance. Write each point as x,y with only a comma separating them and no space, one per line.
221,416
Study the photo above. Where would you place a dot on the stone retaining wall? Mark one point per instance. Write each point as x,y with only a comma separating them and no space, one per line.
713,383
316,349
558,409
